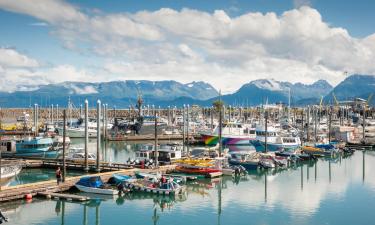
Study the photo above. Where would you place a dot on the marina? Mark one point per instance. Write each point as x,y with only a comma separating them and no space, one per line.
187,112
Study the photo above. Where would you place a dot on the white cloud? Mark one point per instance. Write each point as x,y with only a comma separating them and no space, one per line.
12,58
187,45
39,24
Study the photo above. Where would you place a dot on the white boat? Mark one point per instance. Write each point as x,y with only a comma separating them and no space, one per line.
79,131
232,134
78,155
9,171
275,140
94,185
166,153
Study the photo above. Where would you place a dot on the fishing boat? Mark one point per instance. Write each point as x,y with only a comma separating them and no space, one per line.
275,141
41,147
232,134
95,185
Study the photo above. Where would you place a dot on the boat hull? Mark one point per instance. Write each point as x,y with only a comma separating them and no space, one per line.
226,140
246,165
77,133
272,147
204,171
96,190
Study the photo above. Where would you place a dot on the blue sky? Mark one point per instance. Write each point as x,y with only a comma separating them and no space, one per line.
211,40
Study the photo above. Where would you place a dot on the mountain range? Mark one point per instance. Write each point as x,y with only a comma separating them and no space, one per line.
165,93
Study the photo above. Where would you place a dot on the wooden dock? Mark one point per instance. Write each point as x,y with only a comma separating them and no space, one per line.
19,191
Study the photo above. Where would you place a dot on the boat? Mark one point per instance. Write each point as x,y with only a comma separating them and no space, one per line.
248,159
152,176
232,133
267,162
196,166
166,187
95,185
41,147
318,152
294,155
119,178
78,155
8,172
78,131
275,140
329,149
167,153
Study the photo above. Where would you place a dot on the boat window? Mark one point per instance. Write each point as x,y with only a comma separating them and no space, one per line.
252,131
173,155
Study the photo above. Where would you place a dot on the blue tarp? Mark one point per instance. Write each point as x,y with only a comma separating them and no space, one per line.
121,178
95,182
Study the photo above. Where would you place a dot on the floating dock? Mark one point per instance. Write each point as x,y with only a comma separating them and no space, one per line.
20,191
68,197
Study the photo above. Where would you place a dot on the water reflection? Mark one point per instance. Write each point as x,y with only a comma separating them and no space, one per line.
286,193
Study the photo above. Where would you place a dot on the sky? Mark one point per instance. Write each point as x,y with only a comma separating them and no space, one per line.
224,43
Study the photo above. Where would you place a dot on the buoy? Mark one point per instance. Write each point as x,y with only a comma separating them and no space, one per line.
28,196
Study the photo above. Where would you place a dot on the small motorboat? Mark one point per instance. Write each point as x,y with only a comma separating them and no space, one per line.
78,155
318,152
157,186
267,163
152,176
94,184
248,160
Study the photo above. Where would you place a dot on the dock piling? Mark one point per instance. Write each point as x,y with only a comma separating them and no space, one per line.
98,105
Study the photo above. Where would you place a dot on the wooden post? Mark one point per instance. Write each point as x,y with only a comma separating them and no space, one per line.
183,126
308,124
220,126
64,137
266,128
364,124
315,125
303,127
187,129
86,134
329,124
98,107
156,140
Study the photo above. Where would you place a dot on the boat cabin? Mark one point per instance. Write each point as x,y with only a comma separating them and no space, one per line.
166,154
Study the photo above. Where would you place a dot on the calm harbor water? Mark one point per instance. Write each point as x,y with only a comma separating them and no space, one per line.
339,191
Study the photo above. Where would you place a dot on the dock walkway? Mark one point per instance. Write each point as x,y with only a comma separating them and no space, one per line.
19,191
